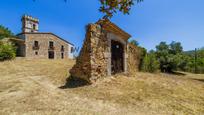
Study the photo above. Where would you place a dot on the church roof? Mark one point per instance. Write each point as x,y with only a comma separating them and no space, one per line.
46,33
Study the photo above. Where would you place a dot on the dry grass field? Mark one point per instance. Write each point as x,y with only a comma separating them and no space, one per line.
38,87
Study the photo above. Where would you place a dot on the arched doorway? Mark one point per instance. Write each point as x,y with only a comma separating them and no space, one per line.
117,57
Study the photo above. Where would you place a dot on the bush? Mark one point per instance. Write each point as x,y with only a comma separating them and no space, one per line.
143,53
7,51
195,66
150,63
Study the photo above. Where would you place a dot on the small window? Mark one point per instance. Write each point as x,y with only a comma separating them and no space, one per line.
62,55
34,26
72,49
36,53
36,43
62,48
51,44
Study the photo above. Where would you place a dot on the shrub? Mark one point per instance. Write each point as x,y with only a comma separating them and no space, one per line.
7,51
143,53
195,66
150,63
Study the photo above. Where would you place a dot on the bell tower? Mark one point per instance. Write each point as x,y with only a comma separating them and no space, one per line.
29,24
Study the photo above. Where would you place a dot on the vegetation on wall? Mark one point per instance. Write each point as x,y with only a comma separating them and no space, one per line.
134,42
143,52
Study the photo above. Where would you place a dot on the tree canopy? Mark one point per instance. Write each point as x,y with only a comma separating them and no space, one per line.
134,42
5,32
169,56
109,7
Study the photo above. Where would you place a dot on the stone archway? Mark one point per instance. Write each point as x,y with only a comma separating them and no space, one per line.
117,61
117,57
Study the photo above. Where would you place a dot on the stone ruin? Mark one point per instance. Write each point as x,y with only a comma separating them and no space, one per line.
105,52
134,57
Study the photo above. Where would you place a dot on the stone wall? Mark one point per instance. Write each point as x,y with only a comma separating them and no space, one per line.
91,63
100,52
133,58
43,41
82,68
94,60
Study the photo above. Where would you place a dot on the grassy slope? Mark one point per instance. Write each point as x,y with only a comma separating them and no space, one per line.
31,86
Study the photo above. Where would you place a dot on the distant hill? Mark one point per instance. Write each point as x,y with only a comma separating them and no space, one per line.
192,52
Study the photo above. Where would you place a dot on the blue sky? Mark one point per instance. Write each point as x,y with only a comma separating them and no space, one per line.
149,23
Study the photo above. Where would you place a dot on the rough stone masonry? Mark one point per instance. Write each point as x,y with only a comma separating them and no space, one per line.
104,52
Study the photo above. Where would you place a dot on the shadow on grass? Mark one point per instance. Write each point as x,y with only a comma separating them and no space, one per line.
177,73
202,80
74,83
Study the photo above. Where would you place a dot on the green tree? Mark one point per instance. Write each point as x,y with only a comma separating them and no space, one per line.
183,62
5,32
201,53
134,42
191,62
109,7
176,48
162,53
170,56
